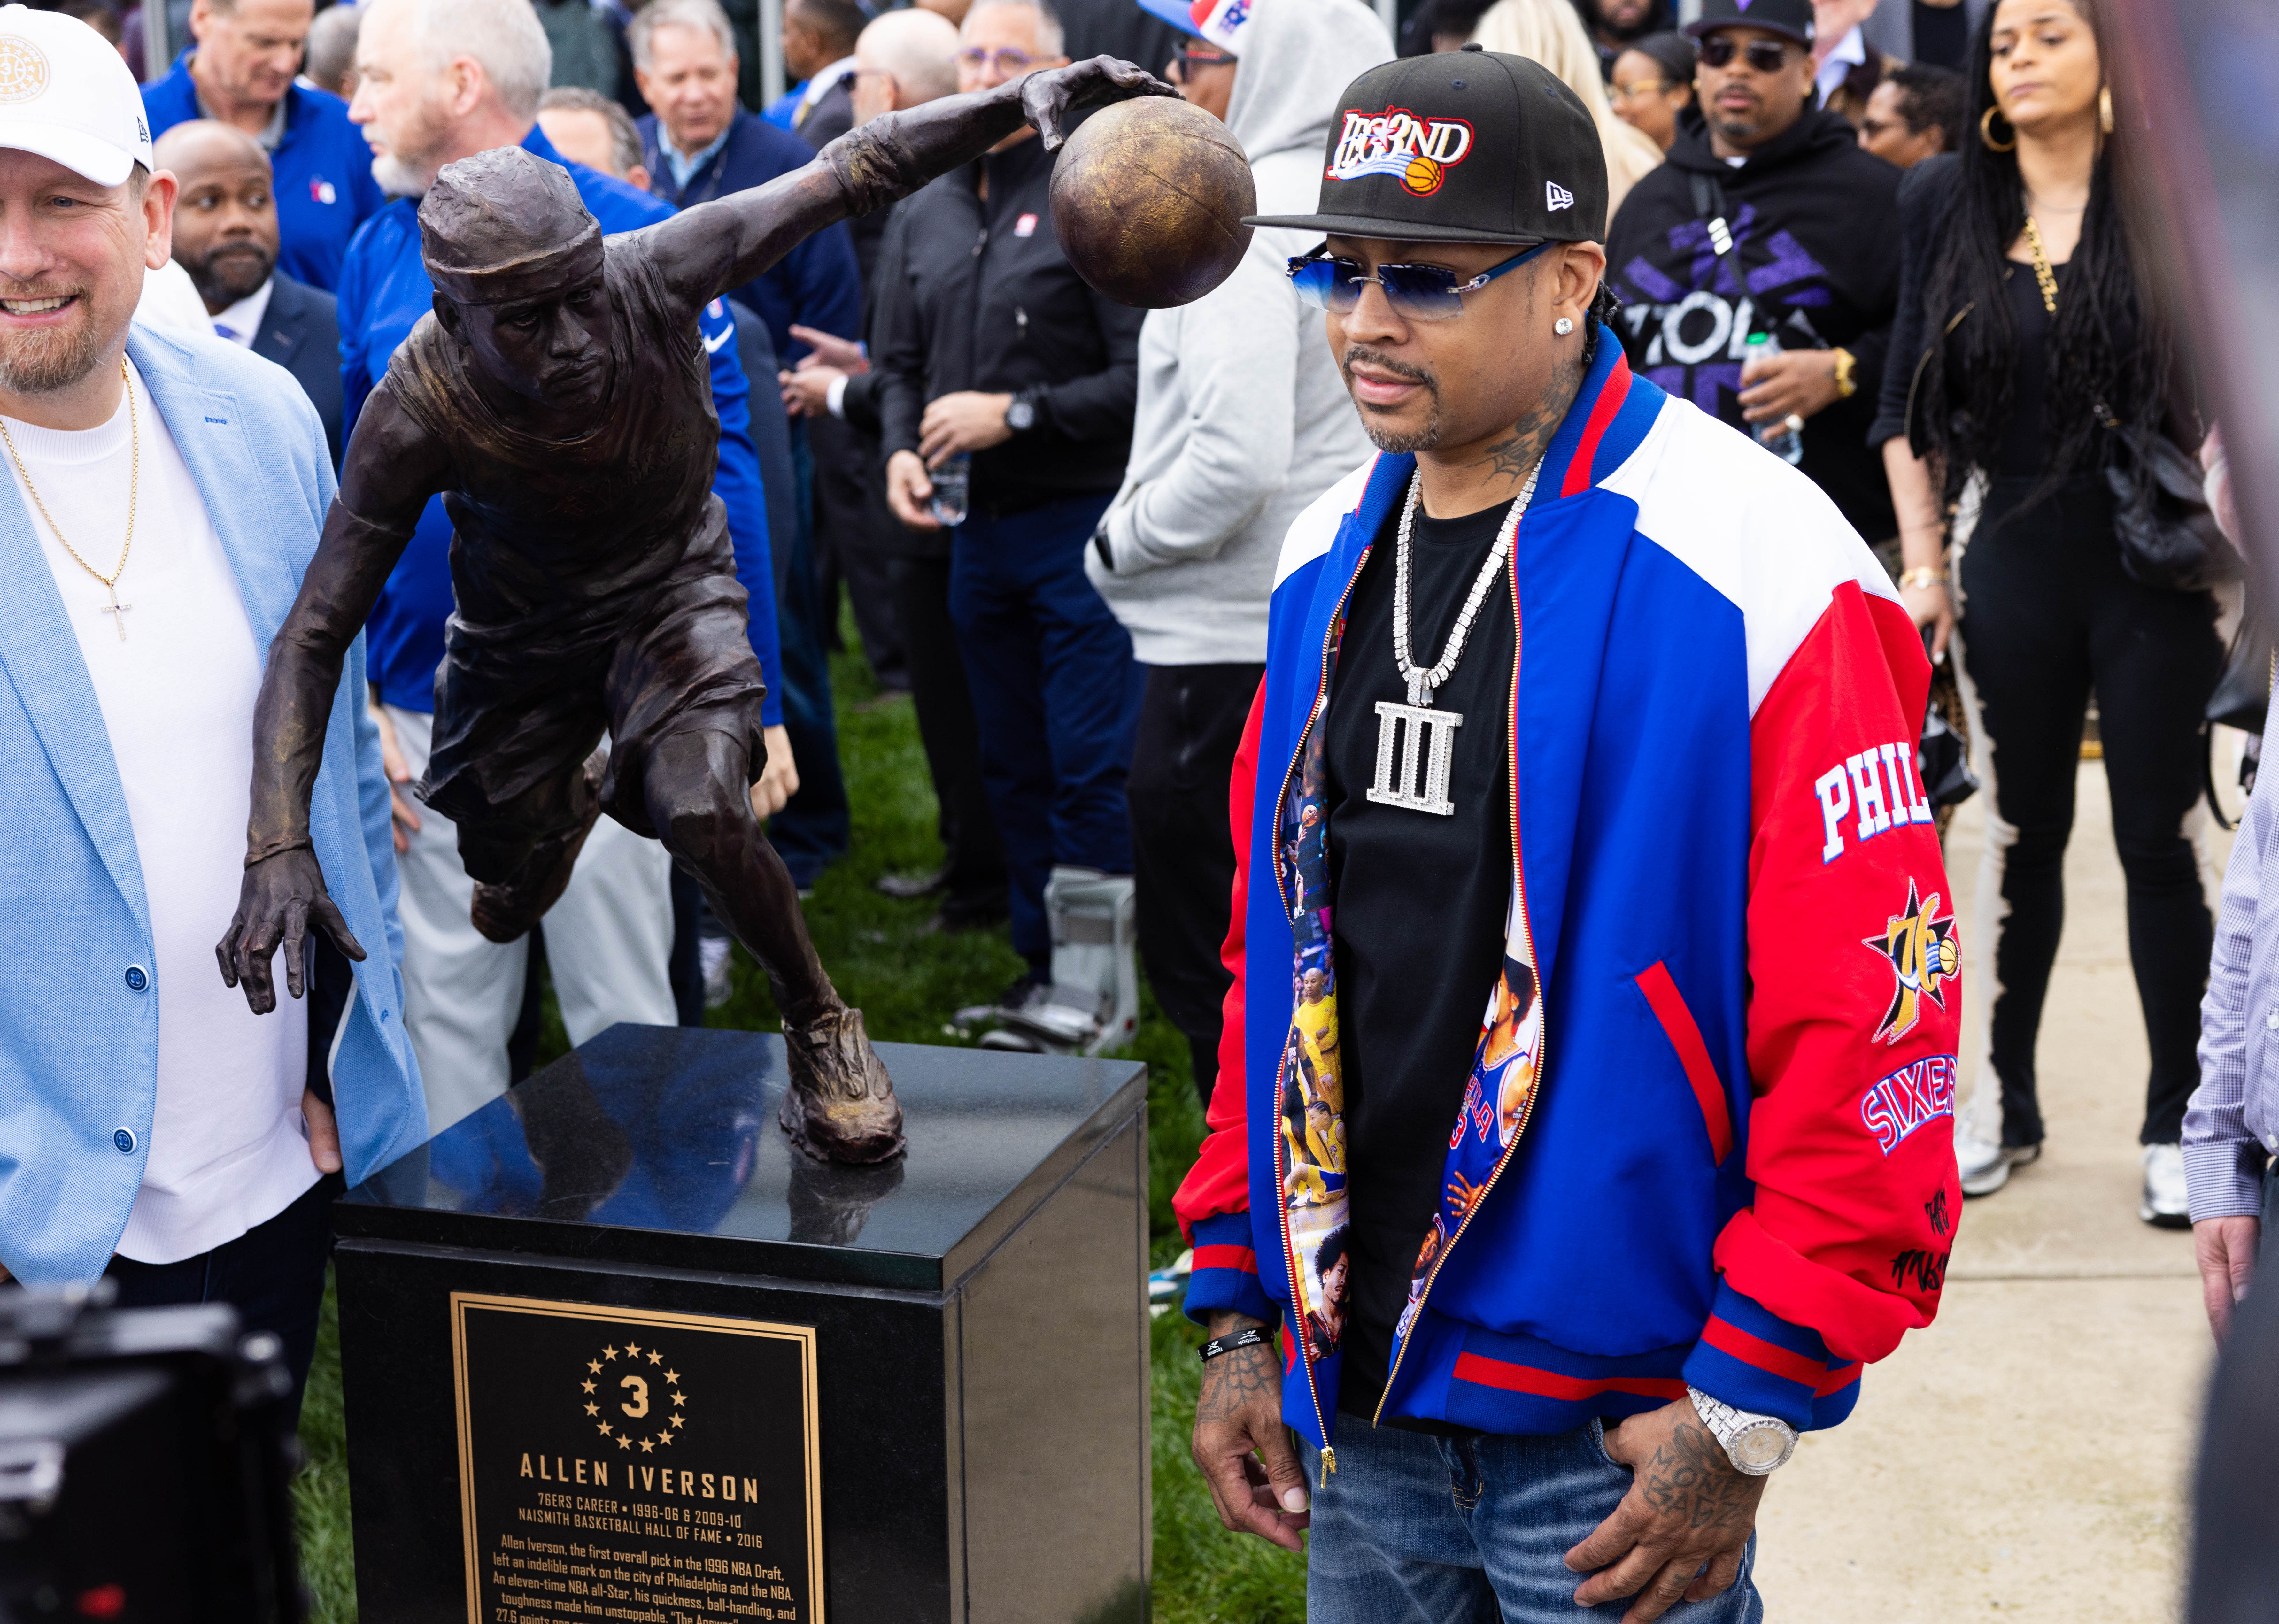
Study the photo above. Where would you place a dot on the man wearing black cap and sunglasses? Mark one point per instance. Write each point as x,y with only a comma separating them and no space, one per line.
1768,217
1593,973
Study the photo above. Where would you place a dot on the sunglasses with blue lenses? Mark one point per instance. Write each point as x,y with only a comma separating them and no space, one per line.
1417,293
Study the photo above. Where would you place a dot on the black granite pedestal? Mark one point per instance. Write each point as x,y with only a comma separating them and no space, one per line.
613,1349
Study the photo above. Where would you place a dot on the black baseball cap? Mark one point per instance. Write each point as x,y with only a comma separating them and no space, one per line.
1792,17
1468,146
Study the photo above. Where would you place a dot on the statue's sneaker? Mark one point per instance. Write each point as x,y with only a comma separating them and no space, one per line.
840,1106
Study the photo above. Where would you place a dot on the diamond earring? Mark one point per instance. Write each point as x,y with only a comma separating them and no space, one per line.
1563,326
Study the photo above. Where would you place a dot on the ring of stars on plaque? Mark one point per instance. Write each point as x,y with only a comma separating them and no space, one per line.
633,1398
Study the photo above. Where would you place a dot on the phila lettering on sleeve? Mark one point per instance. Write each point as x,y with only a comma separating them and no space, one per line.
1882,783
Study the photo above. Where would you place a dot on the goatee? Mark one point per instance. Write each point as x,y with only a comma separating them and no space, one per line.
1423,439
53,358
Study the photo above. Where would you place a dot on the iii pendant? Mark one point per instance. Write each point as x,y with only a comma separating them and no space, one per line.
1415,746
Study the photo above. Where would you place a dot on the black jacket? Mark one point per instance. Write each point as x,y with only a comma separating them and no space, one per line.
971,295
1816,232
301,332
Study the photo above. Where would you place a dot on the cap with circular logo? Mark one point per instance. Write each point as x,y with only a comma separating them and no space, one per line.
1468,146
66,95
1221,22
1792,17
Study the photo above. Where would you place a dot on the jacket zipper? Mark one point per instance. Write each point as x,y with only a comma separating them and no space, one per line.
1542,1047
1281,1066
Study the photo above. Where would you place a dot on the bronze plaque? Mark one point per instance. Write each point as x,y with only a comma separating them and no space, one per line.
622,1464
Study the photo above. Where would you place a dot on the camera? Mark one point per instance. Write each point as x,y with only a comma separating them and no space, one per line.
146,1457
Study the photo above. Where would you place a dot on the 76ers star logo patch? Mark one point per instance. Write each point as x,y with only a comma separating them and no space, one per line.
1920,947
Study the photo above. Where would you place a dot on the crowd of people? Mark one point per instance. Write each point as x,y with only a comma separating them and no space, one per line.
1147,578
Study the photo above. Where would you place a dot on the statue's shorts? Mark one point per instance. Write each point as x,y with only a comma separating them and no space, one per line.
521,701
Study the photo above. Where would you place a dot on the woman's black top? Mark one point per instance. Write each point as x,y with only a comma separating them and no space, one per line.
2025,442
1927,196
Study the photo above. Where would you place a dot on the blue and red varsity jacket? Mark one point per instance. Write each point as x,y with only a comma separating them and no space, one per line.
1706,1137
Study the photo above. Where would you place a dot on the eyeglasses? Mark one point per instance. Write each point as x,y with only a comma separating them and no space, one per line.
1417,293
1004,59
1185,61
1622,92
1763,56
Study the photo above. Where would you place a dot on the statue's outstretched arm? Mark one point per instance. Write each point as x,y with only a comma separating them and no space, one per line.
392,468
721,245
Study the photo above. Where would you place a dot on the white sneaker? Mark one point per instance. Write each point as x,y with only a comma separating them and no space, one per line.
1985,1166
713,953
2166,1205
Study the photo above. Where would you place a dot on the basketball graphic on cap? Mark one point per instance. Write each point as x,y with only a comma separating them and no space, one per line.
23,68
1148,197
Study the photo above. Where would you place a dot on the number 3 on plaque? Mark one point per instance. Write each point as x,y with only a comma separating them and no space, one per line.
638,1407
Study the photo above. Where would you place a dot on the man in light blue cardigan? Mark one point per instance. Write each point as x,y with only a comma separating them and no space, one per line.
161,497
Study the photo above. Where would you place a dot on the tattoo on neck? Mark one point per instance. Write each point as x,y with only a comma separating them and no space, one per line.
1691,1476
1510,457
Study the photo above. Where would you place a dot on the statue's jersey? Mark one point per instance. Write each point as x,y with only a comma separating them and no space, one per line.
541,523
594,579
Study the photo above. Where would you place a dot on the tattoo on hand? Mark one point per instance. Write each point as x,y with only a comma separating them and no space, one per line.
1691,1476
1232,1381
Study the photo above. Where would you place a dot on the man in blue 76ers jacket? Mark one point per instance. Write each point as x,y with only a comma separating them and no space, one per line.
1587,1081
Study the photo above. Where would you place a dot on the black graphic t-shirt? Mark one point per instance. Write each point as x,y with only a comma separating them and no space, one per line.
1421,903
1815,262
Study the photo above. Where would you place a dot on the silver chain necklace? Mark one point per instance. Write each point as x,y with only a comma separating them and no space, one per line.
1414,742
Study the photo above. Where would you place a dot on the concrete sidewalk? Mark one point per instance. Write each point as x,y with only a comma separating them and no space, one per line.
2028,1456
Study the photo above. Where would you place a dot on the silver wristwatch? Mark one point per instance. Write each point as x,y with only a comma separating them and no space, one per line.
1755,1444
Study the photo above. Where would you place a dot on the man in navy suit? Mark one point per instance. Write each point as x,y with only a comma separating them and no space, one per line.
225,237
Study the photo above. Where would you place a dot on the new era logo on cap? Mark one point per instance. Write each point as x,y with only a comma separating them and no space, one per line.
1557,197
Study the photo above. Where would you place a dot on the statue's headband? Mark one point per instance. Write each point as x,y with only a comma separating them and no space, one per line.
504,226
544,274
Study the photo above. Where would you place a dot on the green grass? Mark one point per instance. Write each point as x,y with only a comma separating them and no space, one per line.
906,981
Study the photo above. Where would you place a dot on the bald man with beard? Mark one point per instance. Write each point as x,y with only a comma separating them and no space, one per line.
226,236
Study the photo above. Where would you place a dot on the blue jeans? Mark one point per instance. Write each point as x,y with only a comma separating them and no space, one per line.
1413,1530
1055,695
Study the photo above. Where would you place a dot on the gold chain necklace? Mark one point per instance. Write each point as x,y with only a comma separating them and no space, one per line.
116,610
2043,274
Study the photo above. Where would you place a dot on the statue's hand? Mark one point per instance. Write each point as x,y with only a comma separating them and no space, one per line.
280,895
1048,97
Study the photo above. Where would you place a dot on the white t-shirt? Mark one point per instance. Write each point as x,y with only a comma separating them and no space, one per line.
227,1151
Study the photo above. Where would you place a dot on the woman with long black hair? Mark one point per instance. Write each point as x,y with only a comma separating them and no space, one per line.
2035,347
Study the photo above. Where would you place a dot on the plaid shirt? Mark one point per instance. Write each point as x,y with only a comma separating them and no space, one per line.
2233,1116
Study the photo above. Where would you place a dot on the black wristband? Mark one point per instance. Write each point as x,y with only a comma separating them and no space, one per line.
1248,1336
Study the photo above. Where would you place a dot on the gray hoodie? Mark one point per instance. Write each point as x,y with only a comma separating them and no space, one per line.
1243,418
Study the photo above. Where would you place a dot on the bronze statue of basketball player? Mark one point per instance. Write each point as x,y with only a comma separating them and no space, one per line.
558,399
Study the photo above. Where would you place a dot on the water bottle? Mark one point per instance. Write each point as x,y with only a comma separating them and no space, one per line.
951,483
1777,436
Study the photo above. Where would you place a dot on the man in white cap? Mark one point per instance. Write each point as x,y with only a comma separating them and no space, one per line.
163,494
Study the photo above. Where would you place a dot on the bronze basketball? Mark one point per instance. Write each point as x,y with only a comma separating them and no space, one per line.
1148,197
